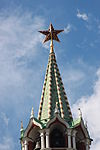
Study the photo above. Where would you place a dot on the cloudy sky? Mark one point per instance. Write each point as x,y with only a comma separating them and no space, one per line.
23,61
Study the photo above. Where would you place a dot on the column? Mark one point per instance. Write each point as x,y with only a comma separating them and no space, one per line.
87,147
37,145
22,146
87,144
47,139
69,137
74,139
26,145
42,139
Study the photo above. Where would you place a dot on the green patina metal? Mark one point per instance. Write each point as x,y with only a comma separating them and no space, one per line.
76,122
44,113
53,84
40,122
22,134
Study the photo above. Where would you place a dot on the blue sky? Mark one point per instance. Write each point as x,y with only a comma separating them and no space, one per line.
23,61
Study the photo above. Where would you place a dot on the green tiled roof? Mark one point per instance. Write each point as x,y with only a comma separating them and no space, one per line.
76,122
40,122
53,91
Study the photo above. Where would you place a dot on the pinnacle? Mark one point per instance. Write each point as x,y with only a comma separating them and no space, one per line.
80,113
21,126
32,113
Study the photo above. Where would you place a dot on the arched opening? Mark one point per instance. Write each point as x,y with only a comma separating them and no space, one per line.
34,137
57,138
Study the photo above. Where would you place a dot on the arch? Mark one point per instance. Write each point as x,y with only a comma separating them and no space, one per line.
57,135
57,118
34,134
32,124
57,138
34,137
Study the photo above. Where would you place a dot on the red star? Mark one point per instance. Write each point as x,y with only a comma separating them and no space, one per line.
51,34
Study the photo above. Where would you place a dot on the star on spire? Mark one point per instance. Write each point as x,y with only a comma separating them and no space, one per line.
51,34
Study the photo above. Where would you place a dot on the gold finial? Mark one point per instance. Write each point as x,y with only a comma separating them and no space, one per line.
80,113
51,34
32,113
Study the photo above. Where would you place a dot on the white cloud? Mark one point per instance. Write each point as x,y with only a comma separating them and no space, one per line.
18,35
67,29
4,118
90,106
82,16
19,44
7,143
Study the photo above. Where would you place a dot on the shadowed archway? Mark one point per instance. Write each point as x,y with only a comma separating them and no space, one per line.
57,138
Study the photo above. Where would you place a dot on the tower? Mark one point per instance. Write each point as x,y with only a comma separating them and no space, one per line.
55,128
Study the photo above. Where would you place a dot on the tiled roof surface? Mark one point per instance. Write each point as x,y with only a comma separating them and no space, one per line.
53,91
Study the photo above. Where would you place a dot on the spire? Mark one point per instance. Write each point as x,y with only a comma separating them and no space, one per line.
53,94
